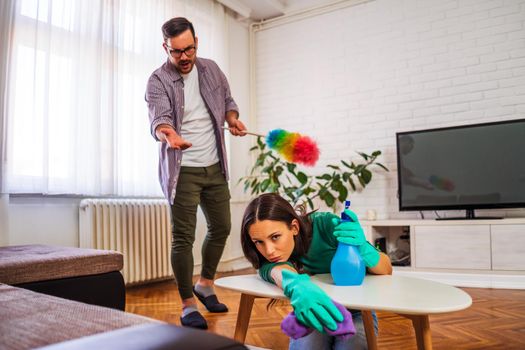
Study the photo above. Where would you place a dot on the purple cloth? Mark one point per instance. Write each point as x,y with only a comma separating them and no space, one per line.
165,99
294,329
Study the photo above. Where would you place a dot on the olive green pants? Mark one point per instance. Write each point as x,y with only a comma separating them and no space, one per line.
207,187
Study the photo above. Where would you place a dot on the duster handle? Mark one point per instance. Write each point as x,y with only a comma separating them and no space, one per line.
247,132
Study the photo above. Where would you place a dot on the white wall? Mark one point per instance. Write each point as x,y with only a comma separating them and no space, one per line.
40,220
354,77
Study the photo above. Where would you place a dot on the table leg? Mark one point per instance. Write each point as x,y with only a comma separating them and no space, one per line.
421,325
368,322
243,317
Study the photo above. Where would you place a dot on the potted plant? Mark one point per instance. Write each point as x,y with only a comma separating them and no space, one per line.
271,173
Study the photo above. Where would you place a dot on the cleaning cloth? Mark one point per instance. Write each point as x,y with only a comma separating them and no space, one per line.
294,329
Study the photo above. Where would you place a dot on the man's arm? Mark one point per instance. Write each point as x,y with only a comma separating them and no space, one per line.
235,126
159,105
159,110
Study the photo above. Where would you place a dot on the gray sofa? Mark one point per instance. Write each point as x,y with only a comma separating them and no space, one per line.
30,319
88,275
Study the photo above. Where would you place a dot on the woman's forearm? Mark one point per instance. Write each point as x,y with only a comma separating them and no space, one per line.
383,267
277,274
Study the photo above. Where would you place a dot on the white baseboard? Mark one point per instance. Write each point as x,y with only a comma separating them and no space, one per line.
468,279
234,264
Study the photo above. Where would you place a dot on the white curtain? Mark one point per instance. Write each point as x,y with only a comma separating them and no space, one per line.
77,121
7,13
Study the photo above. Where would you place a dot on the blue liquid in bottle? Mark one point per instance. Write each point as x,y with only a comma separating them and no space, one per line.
347,267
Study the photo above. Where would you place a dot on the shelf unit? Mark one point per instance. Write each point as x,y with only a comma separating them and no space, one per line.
469,253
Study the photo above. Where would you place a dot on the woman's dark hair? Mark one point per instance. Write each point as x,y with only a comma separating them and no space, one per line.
271,206
176,26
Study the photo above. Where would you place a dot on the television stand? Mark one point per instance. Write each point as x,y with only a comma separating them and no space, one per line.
471,216
468,253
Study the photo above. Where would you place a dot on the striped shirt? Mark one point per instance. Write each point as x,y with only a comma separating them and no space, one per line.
165,99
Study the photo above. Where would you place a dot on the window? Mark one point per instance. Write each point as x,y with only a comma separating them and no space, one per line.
77,120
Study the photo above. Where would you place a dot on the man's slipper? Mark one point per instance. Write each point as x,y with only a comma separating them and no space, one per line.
211,302
195,320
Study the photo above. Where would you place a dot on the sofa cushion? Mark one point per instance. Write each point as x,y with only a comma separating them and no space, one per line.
31,320
31,263
152,337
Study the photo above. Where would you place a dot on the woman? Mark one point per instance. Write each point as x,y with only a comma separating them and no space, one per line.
285,246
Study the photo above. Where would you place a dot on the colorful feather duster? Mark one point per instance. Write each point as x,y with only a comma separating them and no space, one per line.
294,147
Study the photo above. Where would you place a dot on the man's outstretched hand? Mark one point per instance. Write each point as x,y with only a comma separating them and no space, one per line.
165,133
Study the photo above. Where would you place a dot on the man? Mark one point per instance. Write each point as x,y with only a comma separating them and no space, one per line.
189,100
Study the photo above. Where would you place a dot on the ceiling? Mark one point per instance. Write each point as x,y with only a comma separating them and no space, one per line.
258,10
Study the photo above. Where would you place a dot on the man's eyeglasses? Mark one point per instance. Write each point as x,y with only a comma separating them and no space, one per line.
176,53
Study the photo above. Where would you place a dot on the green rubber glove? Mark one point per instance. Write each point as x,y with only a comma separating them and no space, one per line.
312,307
351,232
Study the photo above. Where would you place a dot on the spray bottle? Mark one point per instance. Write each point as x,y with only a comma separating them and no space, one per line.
347,267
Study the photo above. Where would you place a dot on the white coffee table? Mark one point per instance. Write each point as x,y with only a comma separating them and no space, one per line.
412,298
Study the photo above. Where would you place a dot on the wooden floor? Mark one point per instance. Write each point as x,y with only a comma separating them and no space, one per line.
496,319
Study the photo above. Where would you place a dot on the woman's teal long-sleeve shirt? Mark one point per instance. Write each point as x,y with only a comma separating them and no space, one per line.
322,248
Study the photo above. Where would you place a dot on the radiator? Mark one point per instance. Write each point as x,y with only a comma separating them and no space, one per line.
138,228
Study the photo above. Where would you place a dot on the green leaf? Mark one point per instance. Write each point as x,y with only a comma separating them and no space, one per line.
265,184
267,169
359,168
364,155
274,187
260,160
310,203
303,179
333,167
326,177
329,199
343,194
366,175
272,156
291,167
308,190
253,148
346,164
275,178
376,154
260,142
336,184
382,166
361,181
352,184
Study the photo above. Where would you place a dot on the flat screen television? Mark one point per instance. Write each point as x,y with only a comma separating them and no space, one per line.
467,167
